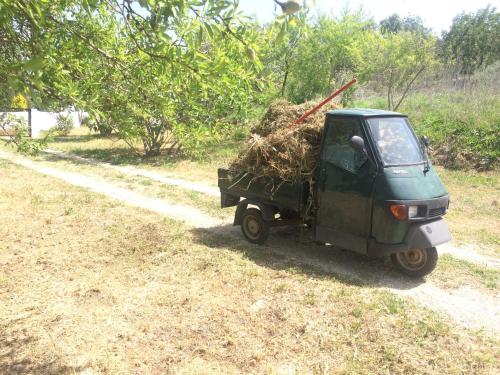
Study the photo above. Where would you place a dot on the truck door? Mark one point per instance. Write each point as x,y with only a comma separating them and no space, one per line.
345,183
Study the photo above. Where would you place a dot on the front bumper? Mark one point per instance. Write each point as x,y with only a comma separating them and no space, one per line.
420,235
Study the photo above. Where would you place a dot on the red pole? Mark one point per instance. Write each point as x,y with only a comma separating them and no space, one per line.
314,109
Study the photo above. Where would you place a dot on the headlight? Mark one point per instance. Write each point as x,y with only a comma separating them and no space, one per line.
412,211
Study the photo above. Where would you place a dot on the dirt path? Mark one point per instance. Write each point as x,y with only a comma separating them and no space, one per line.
134,171
190,215
468,307
470,254
467,253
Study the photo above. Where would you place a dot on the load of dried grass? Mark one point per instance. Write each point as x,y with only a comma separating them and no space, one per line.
276,150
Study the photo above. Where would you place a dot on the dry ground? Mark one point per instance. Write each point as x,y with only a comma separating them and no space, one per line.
87,283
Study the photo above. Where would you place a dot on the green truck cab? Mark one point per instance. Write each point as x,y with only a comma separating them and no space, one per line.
375,192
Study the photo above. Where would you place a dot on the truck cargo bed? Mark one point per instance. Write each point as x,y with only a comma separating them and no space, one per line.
271,191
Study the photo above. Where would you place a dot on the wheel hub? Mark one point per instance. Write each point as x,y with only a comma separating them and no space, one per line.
413,259
252,227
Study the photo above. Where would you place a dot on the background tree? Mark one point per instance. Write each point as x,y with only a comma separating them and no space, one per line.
330,55
473,41
281,46
395,24
397,61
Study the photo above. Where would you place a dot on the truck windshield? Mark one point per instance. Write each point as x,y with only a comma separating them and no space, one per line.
395,141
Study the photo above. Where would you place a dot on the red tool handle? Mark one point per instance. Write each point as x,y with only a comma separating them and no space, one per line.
314,109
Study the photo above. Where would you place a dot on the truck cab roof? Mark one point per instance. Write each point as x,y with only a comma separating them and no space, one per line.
363,112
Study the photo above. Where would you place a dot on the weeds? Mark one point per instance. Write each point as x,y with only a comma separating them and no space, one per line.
393,304
68,211
310,299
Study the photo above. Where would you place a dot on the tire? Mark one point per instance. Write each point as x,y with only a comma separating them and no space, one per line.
253,226
416,263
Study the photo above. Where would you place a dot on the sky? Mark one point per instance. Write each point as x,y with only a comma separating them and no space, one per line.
436,14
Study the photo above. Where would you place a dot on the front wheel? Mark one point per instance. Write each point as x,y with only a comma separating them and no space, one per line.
253,226
416,263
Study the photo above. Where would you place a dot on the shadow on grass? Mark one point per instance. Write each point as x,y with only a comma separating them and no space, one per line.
293,249
15,359
122,154
118,156
75,138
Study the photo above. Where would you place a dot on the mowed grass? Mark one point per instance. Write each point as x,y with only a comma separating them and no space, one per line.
87,283
142,185
452,272
474,215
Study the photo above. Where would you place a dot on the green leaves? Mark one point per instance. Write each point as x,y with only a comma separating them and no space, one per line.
138,67
473,41
36,63
398,60
325,57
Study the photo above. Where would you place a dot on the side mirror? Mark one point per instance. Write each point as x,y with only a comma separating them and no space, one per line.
424,141
358,144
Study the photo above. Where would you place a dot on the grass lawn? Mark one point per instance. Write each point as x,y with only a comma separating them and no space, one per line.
88,283
474,215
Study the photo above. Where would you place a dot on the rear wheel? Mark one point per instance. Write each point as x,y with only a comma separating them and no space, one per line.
416,263
253,226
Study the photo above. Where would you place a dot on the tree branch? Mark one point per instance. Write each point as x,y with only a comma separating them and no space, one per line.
422,68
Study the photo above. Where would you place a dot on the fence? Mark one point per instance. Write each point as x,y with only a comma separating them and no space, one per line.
39,121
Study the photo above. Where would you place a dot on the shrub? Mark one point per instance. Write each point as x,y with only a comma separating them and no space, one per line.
10,124
86,122
102,127
17,130
64,124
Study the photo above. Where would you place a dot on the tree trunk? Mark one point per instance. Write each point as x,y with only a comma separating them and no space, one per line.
389,93
154,137
30,128
389,98
403,96
285,78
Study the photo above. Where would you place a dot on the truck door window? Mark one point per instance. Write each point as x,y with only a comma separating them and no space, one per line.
337,149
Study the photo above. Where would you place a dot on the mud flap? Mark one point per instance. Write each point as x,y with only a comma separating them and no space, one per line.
428,234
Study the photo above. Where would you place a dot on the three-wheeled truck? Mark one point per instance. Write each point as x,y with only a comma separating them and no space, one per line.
375,192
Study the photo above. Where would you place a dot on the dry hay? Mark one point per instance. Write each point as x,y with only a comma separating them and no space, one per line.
276,150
